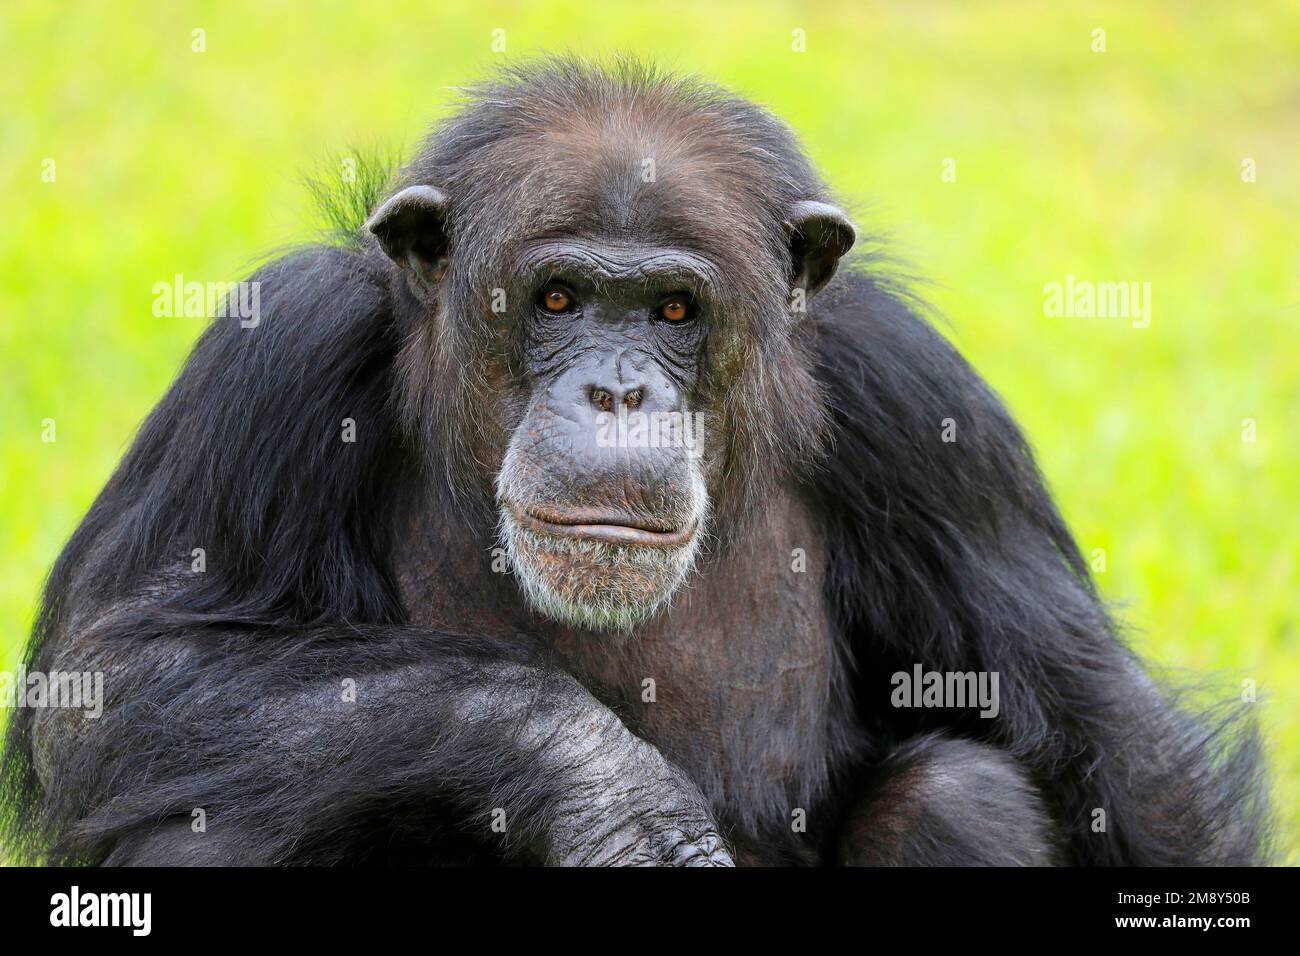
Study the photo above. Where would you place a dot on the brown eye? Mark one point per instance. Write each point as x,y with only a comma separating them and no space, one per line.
556,299
675,309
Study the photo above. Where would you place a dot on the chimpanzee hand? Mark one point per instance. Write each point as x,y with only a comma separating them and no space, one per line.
634,809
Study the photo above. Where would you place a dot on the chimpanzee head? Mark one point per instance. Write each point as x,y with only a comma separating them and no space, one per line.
605,274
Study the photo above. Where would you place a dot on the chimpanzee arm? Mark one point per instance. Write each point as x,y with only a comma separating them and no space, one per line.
945,801
948,552
295,745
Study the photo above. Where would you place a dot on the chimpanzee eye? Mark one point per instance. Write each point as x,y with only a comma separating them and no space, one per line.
556,298
677,307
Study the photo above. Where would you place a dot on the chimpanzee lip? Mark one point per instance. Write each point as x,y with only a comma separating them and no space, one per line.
603,524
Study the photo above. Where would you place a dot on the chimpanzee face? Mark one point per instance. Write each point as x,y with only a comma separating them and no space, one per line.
617,363
602,496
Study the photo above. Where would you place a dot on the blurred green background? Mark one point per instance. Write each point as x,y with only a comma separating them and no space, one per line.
1117,165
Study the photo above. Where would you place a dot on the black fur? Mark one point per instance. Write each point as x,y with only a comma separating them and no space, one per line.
953,554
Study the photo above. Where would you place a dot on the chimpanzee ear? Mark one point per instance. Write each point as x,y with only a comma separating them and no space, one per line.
411,227
819,234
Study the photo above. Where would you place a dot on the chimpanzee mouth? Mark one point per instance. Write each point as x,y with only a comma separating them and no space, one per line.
600,568
603,565
606,525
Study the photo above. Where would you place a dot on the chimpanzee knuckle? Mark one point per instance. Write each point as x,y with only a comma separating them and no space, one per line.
684,833
656,840
650,814
706,850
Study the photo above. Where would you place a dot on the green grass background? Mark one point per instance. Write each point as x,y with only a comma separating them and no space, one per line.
1122,165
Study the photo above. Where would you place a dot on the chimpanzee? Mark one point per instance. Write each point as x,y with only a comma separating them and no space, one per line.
577,509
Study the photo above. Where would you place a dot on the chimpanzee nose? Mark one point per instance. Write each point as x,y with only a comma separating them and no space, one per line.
607,398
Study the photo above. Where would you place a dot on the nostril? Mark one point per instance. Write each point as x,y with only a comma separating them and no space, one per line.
605,399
